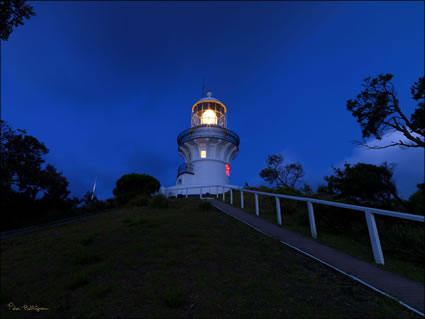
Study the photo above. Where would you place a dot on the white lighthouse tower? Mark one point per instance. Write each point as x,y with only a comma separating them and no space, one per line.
208,148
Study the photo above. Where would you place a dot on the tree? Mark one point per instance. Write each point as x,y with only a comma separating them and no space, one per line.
21,167
130,185
12,14
378,112
55,186
306,189
365,184
283,176
417,200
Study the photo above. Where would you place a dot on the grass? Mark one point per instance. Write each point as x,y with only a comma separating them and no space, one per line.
402,241
187,260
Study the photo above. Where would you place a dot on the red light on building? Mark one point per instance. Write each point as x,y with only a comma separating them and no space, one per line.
227,169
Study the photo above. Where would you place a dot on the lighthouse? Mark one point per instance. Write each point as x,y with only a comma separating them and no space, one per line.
207,147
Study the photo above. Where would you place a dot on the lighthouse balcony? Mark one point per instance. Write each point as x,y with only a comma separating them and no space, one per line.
213,131
185,169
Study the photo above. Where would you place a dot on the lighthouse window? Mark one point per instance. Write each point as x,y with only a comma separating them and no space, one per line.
203,154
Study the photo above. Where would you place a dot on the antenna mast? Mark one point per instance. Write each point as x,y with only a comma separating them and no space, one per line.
94,187
203,88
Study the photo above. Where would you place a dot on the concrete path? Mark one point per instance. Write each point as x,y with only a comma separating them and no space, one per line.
410,293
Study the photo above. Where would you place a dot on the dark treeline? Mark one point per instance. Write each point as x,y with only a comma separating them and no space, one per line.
359,184
33,192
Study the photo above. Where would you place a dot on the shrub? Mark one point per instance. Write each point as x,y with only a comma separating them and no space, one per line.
159,201
416,201
288,191
130,185
98,205
139,201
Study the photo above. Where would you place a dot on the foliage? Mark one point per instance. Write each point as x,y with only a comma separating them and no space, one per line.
33,190
159,201
130,185
97,205
12,14
366,184
21,167
139,201
306,189
378,112
89,198
276,173
417,200
290,191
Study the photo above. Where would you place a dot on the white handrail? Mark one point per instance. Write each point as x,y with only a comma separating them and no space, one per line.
368,211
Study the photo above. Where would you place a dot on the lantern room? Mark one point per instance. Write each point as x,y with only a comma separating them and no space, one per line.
209,111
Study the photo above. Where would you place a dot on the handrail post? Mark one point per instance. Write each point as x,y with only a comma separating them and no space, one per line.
231,197
216,191
224,195
374,237
257,209
200,192
241,199
279,217
312,221
187,190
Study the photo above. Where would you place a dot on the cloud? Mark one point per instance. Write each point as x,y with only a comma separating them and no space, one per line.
409,162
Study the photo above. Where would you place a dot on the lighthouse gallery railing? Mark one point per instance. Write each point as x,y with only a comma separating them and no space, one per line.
216,132
368,211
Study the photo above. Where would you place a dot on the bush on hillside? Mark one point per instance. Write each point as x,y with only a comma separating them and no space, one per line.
131,185
290,191
98,206
416,201
139,201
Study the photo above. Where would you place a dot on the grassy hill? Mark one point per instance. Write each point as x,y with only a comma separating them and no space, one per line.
183,261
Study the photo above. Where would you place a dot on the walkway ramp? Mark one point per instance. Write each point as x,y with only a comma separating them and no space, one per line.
409,292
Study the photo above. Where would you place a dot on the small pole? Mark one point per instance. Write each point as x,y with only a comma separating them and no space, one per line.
216,191
312,221
279,217
186,192
374,238
257,210
241,199
231,197
200,193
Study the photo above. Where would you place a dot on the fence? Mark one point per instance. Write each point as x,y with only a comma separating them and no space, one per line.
368,211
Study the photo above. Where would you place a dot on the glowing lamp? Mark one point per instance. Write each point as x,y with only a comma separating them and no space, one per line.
209,117
227,169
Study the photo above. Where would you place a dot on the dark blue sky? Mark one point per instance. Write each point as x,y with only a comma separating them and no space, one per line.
108,86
